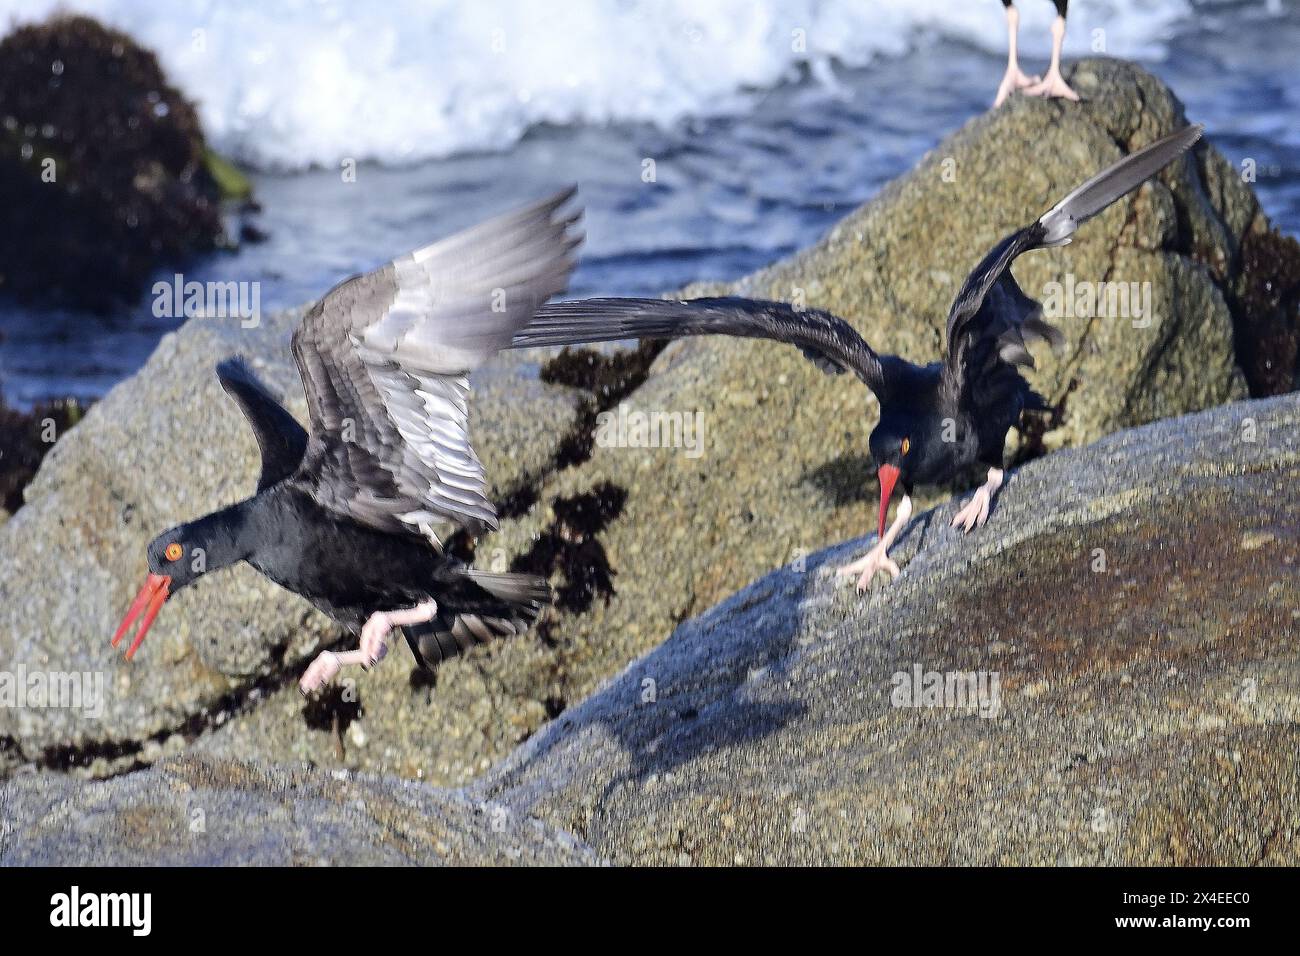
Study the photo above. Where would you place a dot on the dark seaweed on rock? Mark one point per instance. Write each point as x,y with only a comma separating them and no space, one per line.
570,545
1266,319
131,190
24,440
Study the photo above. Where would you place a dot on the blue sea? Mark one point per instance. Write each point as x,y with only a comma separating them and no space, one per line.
766,121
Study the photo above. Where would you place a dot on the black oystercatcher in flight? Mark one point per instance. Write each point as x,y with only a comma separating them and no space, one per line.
935,420
1014,79
346,515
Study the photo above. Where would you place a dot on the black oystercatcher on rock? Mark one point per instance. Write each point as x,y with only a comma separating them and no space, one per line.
935,420
346,514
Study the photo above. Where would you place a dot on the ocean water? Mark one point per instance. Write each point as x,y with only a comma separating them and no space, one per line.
766,120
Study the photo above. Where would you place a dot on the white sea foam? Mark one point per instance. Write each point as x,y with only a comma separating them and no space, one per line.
290,83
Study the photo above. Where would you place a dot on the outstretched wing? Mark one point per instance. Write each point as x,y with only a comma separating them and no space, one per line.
281,440
385,360
991,315
830,342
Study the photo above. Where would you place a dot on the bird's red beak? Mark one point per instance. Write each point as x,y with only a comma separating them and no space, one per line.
888,477
150,600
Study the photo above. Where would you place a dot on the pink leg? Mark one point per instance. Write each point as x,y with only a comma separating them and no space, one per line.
1013,79
373,649
976,511
878,559
1053,84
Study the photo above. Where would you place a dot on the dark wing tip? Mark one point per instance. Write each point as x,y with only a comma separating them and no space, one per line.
1177,142
235,370
552,206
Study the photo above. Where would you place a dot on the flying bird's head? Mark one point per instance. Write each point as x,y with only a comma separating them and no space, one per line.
177,558
178,555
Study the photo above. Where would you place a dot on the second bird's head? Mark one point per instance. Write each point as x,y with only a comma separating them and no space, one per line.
897,447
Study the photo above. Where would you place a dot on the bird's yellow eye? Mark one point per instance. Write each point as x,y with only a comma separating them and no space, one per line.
173,552
907,445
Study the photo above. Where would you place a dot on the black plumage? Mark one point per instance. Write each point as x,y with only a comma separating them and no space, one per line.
936,420
348,514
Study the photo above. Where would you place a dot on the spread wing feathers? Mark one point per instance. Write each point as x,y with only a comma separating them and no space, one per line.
991,315
1115,182
281,440
830,342
385,361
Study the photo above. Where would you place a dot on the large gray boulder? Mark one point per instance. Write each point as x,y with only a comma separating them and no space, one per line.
1130,618
1138,604
193,811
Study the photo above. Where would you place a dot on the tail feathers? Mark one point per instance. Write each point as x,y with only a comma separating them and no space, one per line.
1060,222
522,598
450,639
513,588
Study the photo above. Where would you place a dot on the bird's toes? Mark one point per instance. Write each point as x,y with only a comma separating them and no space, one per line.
309,684
374,648
319,673
864,579
855,567
1063,91
959,519
974,513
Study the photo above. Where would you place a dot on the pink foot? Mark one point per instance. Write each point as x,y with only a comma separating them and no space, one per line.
1014,79
374,639
976,511
1053,85
869,565
320,672
373,649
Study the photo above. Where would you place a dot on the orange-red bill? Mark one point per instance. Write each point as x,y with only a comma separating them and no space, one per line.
888,477
150,600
